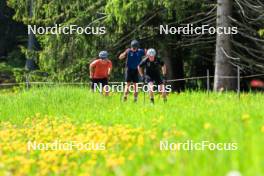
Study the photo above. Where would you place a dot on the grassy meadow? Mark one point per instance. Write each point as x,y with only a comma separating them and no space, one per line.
131,133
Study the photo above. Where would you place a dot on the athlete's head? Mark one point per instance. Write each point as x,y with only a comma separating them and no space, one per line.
151,54
103,55
134,44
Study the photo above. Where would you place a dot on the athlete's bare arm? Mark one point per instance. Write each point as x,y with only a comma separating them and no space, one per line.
164,70
140,71
91,68
110,69
123,55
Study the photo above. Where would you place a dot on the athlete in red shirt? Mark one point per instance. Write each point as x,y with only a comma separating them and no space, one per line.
100,70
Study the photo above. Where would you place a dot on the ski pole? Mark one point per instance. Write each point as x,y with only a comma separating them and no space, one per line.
144,83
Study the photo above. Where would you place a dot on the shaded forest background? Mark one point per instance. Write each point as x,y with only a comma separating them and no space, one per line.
64,58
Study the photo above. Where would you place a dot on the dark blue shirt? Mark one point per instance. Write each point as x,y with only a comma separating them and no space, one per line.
134,58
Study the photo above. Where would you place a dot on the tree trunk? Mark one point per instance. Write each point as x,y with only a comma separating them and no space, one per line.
174,63
223,66
30,62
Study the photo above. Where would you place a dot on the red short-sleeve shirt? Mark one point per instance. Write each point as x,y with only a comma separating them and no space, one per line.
101,68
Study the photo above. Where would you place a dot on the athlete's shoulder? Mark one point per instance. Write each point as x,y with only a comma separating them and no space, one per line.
141,50
95,61
109,61
144,60
160,61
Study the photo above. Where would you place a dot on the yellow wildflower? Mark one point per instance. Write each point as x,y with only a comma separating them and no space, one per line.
262,129
207,125
245,117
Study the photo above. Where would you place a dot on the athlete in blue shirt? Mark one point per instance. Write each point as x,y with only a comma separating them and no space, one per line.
133,57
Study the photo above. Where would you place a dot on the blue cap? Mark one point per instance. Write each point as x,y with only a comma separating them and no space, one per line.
103,55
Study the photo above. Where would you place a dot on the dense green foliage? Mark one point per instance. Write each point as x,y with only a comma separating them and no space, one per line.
13,38
261,32
65,57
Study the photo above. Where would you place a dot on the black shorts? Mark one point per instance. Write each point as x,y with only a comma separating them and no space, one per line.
156,79
132,75
96,83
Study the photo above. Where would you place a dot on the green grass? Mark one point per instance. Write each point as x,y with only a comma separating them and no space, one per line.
217,117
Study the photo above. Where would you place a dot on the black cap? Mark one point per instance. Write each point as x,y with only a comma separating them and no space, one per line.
135,44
